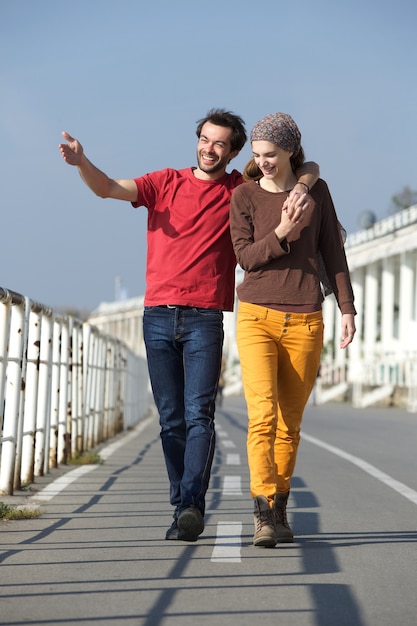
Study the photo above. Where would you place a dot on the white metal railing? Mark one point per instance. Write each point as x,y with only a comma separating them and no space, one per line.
64,388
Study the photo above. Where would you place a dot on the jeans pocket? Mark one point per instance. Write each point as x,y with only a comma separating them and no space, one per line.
209,312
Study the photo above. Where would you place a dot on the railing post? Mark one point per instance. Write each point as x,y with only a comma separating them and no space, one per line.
21,416
122,382
64,424
89,375
11,408
55,392
43,416
77,402
100,389
109,386
5,319
31,397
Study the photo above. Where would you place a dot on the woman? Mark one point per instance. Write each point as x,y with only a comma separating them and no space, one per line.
280,326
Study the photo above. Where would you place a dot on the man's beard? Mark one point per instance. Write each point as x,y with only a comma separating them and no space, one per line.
212,169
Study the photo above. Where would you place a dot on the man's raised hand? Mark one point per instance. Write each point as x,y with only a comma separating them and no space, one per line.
72,152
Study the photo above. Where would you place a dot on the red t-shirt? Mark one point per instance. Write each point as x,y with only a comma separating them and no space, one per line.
190,259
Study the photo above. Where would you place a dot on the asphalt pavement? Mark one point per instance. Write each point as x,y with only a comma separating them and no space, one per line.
97,554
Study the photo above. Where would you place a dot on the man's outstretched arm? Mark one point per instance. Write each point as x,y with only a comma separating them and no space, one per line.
73,153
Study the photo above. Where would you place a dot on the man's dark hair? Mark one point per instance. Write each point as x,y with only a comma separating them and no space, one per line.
221,117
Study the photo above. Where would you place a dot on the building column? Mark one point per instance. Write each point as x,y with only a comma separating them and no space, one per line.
371,310
387,305
406,297
355,348
329,320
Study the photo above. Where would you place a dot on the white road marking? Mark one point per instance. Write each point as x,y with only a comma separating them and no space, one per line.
48,492
232,486
228,543
221,433
54,488
228,444
232,459
401,488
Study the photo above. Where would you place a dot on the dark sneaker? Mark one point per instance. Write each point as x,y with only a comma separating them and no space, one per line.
191,523
263,518
282,527
176,534
173,532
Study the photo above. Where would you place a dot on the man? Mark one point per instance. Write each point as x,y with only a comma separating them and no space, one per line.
190,282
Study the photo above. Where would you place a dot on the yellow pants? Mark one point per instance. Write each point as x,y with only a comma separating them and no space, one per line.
280,357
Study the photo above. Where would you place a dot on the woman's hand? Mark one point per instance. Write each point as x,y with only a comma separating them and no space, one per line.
293,212
295,205
348,329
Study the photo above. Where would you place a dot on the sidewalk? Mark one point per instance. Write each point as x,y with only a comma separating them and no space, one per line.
44,487
98,553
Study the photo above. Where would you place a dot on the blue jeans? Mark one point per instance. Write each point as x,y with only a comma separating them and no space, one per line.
184,350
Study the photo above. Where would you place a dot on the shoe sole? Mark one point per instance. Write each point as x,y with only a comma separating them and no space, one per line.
265,542
179,536
190,524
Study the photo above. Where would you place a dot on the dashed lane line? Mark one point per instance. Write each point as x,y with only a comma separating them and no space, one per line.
232,486
228,443
228,543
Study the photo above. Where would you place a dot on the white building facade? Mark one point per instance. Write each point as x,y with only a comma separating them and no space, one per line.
382,358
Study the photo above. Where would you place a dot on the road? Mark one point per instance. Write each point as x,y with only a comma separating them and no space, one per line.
97,555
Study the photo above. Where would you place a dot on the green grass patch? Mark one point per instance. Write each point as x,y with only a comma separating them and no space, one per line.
14,512
85,458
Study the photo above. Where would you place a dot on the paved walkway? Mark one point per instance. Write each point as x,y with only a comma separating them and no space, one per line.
98,556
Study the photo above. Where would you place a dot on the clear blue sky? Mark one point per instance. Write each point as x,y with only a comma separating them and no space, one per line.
130,79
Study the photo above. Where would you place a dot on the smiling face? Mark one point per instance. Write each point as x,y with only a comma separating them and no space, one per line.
214,151
273,161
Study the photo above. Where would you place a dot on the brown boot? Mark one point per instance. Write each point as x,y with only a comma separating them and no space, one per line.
282,528
263,517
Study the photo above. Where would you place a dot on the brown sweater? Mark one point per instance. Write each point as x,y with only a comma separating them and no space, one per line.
287,273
